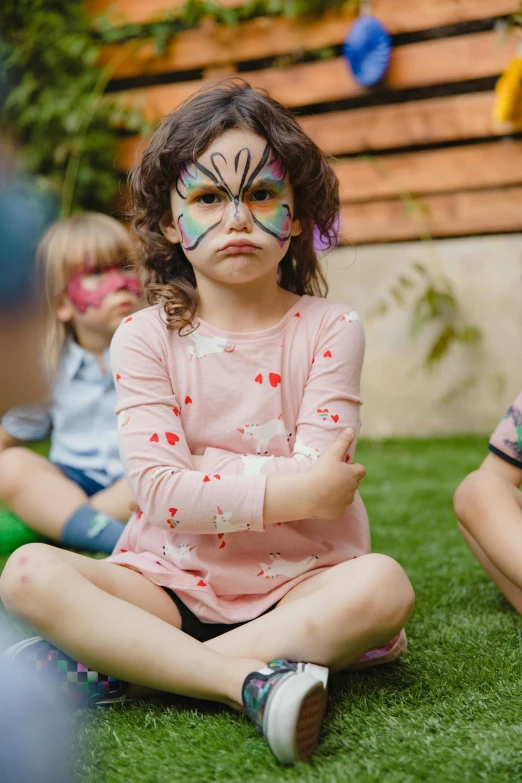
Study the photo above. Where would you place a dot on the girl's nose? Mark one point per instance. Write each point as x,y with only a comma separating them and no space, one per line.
237,216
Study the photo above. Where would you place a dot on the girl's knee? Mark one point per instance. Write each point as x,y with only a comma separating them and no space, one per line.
29,573
475,492
388,593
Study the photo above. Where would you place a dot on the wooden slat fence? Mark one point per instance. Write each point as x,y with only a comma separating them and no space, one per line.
427,131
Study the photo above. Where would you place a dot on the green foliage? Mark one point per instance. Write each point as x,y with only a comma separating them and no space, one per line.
53,107
54,87
114,29
434,304
434,301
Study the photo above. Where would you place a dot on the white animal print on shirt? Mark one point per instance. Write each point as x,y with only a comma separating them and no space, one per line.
280,567
253,464
263,433
350,317
177,553
223,524
203,346
123,419
164,469
301,450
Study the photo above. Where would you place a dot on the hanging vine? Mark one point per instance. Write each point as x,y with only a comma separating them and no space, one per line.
54,104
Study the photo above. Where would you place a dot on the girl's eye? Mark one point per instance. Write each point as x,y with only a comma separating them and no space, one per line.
260,195
208,198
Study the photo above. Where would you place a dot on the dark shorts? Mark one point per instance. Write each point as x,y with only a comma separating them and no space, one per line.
89,485
192,626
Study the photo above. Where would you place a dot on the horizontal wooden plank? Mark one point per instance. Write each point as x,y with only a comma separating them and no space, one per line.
454,214
413,123
431,171
441,61
387,127
212,45
399,15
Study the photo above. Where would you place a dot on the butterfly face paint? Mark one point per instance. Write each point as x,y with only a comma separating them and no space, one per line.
207,192
88,288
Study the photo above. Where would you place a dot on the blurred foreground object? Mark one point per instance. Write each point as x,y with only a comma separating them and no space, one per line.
35,734
508,92
24,215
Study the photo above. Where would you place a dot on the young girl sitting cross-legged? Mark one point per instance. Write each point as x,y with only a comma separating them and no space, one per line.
78,496
245,575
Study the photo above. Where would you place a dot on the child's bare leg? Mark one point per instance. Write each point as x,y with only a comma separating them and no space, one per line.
510,590
37,491
114,501
490,509
116,621
331,618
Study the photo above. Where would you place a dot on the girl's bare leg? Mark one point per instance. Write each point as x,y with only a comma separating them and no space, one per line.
489,510
116,621
510,590
37,491
114,500
331,618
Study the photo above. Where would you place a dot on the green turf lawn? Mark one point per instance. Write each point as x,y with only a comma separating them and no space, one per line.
450,711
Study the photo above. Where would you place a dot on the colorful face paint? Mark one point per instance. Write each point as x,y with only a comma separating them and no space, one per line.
271,213
89,289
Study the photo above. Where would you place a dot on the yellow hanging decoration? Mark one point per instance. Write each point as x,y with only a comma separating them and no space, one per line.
508,92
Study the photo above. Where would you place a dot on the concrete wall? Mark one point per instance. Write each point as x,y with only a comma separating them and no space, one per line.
400,396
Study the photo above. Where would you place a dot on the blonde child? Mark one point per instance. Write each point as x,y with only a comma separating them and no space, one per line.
245,575
488,505
78,496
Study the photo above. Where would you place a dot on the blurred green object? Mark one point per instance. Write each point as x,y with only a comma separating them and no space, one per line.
13,533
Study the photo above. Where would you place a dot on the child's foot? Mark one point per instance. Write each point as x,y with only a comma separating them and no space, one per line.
392,651
287,706
84,687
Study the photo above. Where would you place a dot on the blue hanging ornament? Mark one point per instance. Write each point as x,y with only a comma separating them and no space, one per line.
367,50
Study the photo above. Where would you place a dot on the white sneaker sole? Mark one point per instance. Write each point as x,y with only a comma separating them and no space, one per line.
293,718
13,651
319,672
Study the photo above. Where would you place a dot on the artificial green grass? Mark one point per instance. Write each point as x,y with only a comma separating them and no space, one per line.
449,711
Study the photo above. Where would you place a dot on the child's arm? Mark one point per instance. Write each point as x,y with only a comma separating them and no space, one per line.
23,423
157,460
330,403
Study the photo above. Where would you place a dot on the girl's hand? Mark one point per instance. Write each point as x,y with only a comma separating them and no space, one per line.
332,483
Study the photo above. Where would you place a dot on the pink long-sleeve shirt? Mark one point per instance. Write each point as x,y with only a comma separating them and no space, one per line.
255,404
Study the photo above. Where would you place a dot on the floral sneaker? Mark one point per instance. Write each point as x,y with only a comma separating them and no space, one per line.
84,687
392,651
287,707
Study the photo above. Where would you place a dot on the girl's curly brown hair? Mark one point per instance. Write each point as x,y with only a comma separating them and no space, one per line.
184,135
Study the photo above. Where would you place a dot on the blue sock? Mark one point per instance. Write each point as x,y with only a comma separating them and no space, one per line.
89,529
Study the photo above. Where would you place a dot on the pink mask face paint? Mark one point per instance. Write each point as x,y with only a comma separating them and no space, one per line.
207,193
89,289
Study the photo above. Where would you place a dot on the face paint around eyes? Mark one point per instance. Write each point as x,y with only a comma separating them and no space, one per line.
270,173
114,280
275,219
192,230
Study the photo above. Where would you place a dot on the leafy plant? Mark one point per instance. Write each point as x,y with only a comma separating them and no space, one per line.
430,297
52,107
53,88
